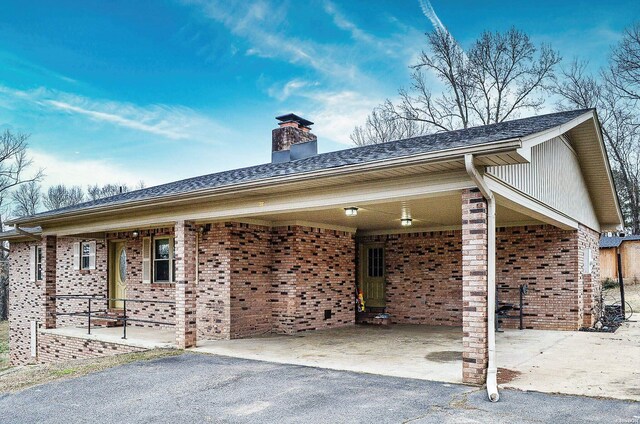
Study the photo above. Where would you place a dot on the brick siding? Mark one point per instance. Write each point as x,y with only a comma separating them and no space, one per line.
25,303
423,277
136,289
591,283
254,279
313,272
474,287
57,348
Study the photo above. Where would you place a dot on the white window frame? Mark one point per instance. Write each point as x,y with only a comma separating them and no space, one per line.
171,260
79,255
38,263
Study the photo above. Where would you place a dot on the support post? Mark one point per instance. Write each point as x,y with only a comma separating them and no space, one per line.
474,287
48,245
621,283
185,278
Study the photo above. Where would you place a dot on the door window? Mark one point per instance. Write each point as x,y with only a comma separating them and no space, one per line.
375,262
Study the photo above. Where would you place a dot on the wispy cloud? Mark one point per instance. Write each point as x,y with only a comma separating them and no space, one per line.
284,91
167,121
82,171
430,13
342,22
338,112
258,23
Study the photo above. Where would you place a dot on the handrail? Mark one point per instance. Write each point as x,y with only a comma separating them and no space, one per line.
92,314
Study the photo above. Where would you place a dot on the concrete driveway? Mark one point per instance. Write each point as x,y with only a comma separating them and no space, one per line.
203,388
570,362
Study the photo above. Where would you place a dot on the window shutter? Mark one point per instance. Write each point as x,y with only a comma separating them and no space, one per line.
587,262
76,255
146,260
92,255
32,263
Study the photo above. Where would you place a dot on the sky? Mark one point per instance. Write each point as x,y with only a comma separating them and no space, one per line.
156,91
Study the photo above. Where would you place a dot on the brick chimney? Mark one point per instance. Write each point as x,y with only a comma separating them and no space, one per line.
292,140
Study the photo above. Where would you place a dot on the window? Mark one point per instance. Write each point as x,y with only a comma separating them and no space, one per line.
84,255
39,263
163,260
85,261
375,262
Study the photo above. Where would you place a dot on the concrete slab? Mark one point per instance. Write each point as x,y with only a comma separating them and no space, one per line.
591,364
411,351
147,338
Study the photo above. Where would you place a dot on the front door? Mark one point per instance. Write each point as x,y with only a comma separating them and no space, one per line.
372,275
118,274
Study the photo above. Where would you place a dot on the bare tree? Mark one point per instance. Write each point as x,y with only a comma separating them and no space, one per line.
381,126
26,199
4,267
500,75
624,72
619,117
95,191
14,161
60,196
14,164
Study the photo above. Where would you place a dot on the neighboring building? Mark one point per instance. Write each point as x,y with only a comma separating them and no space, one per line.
280,247
629,249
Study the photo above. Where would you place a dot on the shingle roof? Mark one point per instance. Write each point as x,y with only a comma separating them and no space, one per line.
606,242
358,155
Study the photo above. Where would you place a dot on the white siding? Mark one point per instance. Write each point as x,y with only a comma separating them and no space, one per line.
553,177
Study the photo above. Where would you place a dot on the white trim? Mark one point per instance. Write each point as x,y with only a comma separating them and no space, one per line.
312,224
406,188
33,263
77,259
146,260
171,259
34,338
446,155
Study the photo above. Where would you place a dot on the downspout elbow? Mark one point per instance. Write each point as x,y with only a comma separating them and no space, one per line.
492,370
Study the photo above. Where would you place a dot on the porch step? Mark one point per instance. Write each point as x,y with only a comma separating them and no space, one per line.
372,318
110,320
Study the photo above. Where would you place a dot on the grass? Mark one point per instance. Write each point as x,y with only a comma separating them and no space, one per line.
4,345
20,378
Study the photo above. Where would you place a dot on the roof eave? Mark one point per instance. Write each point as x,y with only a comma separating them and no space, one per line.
441,155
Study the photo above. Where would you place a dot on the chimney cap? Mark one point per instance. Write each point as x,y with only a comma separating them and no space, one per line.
292,117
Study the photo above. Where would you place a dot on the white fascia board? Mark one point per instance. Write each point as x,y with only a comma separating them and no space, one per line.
408,188
542,136
532,140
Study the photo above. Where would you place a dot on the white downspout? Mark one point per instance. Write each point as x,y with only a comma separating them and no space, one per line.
492,371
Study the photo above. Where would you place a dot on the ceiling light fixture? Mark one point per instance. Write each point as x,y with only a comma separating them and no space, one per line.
351,211
406,222
135,234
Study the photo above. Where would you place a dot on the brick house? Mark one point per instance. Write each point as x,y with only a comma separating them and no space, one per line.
425,228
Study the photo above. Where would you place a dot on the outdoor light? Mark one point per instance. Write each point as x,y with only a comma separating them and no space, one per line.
351,211
135,234
406,222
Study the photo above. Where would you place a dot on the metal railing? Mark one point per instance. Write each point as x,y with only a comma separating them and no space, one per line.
91,313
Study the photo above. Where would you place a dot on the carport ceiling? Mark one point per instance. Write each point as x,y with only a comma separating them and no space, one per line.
431,212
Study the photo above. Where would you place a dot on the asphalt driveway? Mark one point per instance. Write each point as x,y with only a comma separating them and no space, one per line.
204,388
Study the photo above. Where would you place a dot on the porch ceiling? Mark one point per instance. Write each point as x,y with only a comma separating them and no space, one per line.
440,212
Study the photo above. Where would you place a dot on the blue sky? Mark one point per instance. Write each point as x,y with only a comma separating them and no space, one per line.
159,90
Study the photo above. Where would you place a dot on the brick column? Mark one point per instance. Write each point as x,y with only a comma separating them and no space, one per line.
48,246
474,287
185,278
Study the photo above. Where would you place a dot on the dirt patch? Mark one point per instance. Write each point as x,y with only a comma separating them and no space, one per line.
506,375
444,356
20,378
